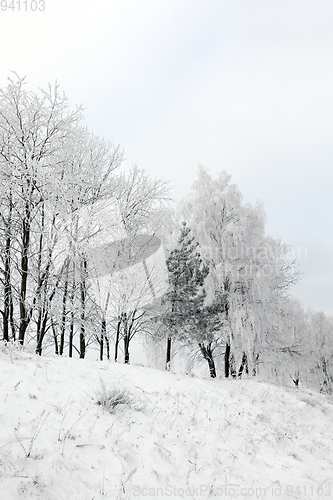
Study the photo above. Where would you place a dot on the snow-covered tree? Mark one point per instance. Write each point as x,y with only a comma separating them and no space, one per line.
247,268
185,300
49,165
320,351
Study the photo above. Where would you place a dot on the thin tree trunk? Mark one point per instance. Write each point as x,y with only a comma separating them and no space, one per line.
7,291
296,378
326,386
83,310
126,339
39,325
71,326
168,354
116,345
8,300
24,321
244,365
227,347
233,371
107,342
126,350
11,317
42,330
43,317
255,364
41,300
227,360
208,355
55,338
63,318
101,342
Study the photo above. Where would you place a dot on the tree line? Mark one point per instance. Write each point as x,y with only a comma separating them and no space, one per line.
229,295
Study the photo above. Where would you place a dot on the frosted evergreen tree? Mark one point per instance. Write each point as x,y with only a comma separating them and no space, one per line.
185,300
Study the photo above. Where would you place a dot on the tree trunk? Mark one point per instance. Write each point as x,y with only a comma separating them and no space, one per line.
208,355
24,321
39,331
71,326
326,385
7,291
11,317
168,354
244,365
126,350
42,331
43,317
126,339
227,346
55,338
101,342
8,299
83,310
255,364
117,340
233,371
227,360
107,347
63,318
296,378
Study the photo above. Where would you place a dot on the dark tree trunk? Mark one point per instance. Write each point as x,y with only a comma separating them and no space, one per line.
63,318
71,326
42,332
168,354
7,291
208,355
107,347
227,360
83,311
8,299
71,336
101,342
43,318
39,324
296,379
227,346
24,321
11,317
126,339
55,338
116,345
126,350
244,365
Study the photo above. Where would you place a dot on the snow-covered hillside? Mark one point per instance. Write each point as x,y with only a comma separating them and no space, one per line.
175,437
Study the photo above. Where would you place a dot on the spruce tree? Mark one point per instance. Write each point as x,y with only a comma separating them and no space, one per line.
185,299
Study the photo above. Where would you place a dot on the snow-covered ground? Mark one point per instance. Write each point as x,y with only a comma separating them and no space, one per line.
177,437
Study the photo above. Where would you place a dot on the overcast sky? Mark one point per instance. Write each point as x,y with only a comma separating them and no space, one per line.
244,86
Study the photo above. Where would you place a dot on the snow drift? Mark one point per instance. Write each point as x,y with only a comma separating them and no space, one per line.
78,429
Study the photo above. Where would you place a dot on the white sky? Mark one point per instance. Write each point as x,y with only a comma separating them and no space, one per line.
236,85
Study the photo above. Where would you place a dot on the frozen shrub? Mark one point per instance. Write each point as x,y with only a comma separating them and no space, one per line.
117,397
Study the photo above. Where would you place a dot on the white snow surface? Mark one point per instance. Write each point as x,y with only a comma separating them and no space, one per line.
179,436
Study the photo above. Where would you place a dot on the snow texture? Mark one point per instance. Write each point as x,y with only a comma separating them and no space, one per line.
78,429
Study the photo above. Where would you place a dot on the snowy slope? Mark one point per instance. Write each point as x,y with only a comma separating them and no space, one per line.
178,437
